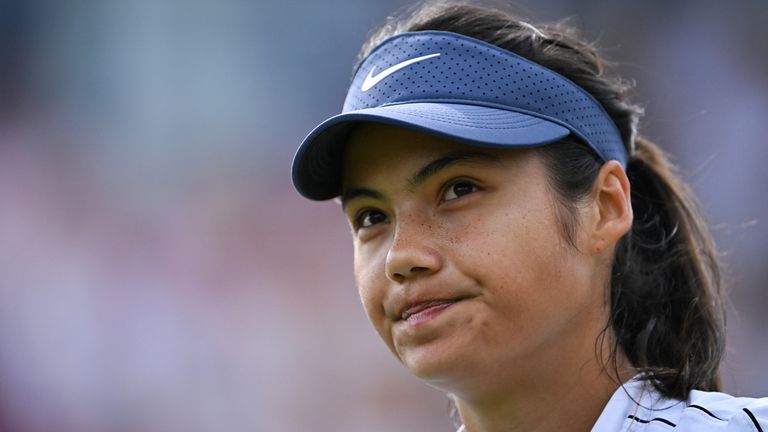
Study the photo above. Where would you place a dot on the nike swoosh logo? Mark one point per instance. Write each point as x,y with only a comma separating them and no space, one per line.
371,80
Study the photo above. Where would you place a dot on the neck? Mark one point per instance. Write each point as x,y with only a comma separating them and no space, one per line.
566,396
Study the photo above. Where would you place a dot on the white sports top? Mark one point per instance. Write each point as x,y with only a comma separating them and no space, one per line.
702,412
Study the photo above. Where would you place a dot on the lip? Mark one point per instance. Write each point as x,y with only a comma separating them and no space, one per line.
426,310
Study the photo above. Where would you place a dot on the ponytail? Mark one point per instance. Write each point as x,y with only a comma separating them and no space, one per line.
666,308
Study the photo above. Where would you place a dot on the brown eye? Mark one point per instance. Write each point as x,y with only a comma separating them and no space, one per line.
370,217
459,189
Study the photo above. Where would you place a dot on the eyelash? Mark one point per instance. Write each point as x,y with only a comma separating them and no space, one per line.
457,182
363,214
359,221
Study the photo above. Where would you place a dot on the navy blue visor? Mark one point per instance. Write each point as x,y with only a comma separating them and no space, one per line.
460,88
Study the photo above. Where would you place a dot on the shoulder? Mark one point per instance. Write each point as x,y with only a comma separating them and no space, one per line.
726,412
638,407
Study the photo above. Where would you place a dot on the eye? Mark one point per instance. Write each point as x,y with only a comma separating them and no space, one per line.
369,217
459,189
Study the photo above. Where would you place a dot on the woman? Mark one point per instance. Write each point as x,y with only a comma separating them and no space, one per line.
516,244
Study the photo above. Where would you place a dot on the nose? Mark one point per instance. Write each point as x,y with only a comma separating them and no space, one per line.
412,253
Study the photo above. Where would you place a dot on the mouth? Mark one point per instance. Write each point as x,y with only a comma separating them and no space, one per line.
425,311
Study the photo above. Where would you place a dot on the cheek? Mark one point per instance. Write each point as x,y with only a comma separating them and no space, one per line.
508,240
371,284
520,256
556,294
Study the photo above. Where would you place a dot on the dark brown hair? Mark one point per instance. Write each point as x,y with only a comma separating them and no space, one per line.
666,302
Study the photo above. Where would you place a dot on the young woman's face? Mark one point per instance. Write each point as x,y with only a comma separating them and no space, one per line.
460,261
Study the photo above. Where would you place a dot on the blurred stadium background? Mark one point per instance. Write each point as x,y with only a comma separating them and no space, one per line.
159,273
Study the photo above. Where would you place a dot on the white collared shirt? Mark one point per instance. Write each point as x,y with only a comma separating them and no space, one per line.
638,407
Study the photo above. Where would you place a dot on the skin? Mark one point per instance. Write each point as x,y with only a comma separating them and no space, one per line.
476,230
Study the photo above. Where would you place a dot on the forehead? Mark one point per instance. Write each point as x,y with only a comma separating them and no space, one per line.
374,148
375,140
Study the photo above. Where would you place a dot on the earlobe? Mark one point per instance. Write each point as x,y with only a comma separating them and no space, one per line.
613,205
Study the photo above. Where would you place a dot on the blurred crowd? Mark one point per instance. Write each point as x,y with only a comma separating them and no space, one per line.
157,270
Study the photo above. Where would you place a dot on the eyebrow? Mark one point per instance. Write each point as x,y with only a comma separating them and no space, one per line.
354,193
447,160
427,171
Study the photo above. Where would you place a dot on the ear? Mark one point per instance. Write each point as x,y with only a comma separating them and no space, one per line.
612,215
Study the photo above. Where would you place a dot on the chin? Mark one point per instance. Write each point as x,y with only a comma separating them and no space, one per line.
438,364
